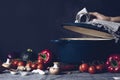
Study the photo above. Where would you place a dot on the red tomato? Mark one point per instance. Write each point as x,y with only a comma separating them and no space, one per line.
68,67
40,66
99,68
15,62
84,67
28,64
92,70
34,66
21,63
40,61
80,69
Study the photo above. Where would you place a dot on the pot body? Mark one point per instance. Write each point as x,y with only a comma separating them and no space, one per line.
74,51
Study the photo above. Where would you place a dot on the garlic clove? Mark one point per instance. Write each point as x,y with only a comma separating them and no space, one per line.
39,71
21,68
27,68
6,65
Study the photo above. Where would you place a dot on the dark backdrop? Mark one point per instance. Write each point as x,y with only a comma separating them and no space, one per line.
33,23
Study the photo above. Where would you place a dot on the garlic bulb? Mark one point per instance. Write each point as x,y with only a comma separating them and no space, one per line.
21,68
55,69
7,63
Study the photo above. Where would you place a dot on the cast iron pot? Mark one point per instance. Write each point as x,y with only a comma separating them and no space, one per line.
76,50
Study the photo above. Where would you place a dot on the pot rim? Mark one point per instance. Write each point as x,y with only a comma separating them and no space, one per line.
92,39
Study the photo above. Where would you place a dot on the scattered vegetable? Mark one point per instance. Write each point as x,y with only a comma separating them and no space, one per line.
113,63
83,67
46,55
92,69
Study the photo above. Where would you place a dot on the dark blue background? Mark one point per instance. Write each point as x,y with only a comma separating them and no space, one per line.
33,23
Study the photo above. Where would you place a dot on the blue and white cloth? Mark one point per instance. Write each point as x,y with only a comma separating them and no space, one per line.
111,27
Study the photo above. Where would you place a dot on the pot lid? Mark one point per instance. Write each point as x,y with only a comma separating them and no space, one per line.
87,29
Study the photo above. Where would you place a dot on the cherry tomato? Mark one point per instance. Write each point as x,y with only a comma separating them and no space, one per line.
15,62
99,68
40,61
28,64
92,69
34,66
84,67
80,69
21,63
68,67
40,66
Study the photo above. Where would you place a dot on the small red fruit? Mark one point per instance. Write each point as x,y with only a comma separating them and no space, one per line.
15,62
92,70
21,63
40,66
34,66
99,68
40,61
84,67
28,64
80,69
